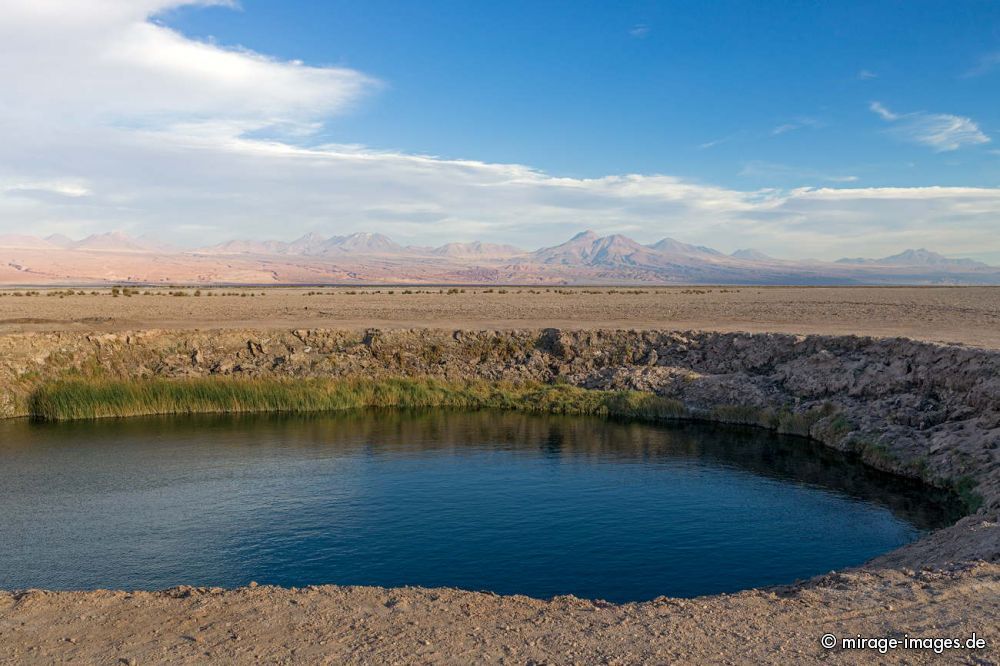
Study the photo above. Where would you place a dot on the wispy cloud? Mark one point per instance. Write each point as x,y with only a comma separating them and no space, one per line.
882,111
639,31
797,124
866,75
986,64
787,127
940,131
60,188
718,142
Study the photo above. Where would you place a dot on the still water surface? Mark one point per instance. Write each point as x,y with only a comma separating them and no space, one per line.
512,503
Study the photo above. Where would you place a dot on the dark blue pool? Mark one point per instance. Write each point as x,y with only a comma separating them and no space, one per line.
511,503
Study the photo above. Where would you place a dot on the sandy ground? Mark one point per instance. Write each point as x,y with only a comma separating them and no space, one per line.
334,625
966,315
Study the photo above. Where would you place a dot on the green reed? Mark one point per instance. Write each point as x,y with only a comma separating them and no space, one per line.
99,398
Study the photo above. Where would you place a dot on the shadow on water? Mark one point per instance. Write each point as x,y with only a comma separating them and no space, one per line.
510,502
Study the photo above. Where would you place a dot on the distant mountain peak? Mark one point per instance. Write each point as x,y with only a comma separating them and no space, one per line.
915,257
672,246
26,242
311,243
476,249
750,254
311,237
116,241
589,249
363,241
616,239
60,239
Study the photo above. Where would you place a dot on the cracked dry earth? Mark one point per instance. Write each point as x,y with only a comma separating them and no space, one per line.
914,408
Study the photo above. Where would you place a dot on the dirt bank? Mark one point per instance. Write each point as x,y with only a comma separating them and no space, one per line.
918,409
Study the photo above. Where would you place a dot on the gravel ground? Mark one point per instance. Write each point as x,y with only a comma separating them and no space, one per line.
358,625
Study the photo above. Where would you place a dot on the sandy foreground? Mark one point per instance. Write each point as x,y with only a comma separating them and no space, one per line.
946,586
967,315
419,626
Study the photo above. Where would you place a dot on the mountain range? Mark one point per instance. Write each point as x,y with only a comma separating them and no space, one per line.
362,258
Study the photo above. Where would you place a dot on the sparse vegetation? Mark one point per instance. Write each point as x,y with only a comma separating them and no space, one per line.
742,414
800,423
840,426
876,452
965,488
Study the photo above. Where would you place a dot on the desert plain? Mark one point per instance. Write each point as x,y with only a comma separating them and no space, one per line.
945,585
957,315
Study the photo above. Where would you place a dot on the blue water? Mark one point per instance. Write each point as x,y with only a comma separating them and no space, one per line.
511,503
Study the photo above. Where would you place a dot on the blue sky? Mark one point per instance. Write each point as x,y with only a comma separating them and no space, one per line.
801,128
725,92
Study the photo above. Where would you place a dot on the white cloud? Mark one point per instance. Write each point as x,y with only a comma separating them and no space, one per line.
797,124
60,188
867,75
717,142
250,188
986,65
639,31
107,62
884,113
940,131
110,120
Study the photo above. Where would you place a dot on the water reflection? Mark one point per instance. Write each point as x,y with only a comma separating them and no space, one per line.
509,502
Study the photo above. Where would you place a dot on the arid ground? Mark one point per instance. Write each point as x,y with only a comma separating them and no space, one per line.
336,625
966,315
921,399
